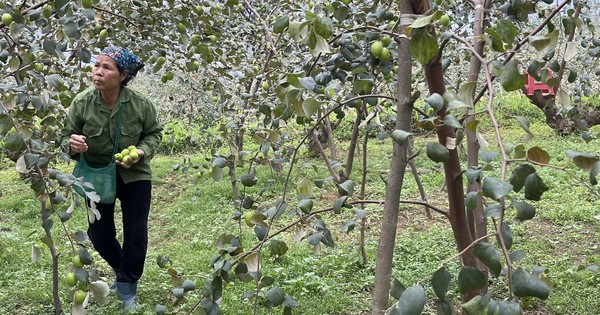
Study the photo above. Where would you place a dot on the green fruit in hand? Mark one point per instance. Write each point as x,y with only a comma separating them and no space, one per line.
77,262
7,19
161,60
127,160
103,34
79,296
181,27
376,48
119,157
213,38
386,41
87,3
248,218
170,75
125,152
71,279
444,20
265,86
131,148
134,155
385,55
39,67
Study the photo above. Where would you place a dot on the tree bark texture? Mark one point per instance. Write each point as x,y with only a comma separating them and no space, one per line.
387,239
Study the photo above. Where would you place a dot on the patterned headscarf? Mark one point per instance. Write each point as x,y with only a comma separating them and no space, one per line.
126,60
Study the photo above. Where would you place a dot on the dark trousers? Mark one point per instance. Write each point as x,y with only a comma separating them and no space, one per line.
127,260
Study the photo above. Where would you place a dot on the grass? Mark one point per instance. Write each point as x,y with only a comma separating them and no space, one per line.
188,215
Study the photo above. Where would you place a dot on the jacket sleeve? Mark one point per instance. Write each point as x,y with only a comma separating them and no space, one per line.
73,125
151,131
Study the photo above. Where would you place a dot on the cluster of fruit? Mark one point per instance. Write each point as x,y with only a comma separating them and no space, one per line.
79,261
127,156
379,49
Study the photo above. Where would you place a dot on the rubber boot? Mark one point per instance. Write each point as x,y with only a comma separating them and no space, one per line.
113,286
127,292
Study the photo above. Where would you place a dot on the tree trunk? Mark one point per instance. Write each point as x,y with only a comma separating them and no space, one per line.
476,217
387,239
454,176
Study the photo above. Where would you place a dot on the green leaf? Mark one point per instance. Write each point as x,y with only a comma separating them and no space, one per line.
490,256
476,305
538,155
399,136
85,256
188,285
55,80
510,78
507,31
308,83
471,200
493,211
305,205
585,161
534,187
437,152
503,308
507,235
217,174
397,288
470,278
524,284
495,189
524,123
440,282
338,204
436,101
323,26
341,13
517,179
423,46
473,175
277,248
281,24
347,187
524,210
451,121
421,22
310,106
594,173
412,301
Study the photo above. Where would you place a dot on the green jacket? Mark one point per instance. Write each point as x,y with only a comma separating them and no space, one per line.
88,115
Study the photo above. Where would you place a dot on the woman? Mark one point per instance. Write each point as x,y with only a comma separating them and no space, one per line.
90,128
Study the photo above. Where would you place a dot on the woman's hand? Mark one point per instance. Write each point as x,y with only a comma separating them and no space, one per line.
78,144
128,165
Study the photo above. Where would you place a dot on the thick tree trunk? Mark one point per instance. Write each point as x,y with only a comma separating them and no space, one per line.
387,239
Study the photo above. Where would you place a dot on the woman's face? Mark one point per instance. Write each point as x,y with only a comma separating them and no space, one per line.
106,75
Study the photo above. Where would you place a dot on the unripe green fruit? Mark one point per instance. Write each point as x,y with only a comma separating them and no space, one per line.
39,67
444,20
103,34
181,28
134,155
386,41
119,157
199,9
79,297
127,160
164,79
248,218
125,152
376,48
195,39
265,86
71,279
213,38
47,11
170,75
161,60
385,55
7,18
215,98
196,65
77,262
